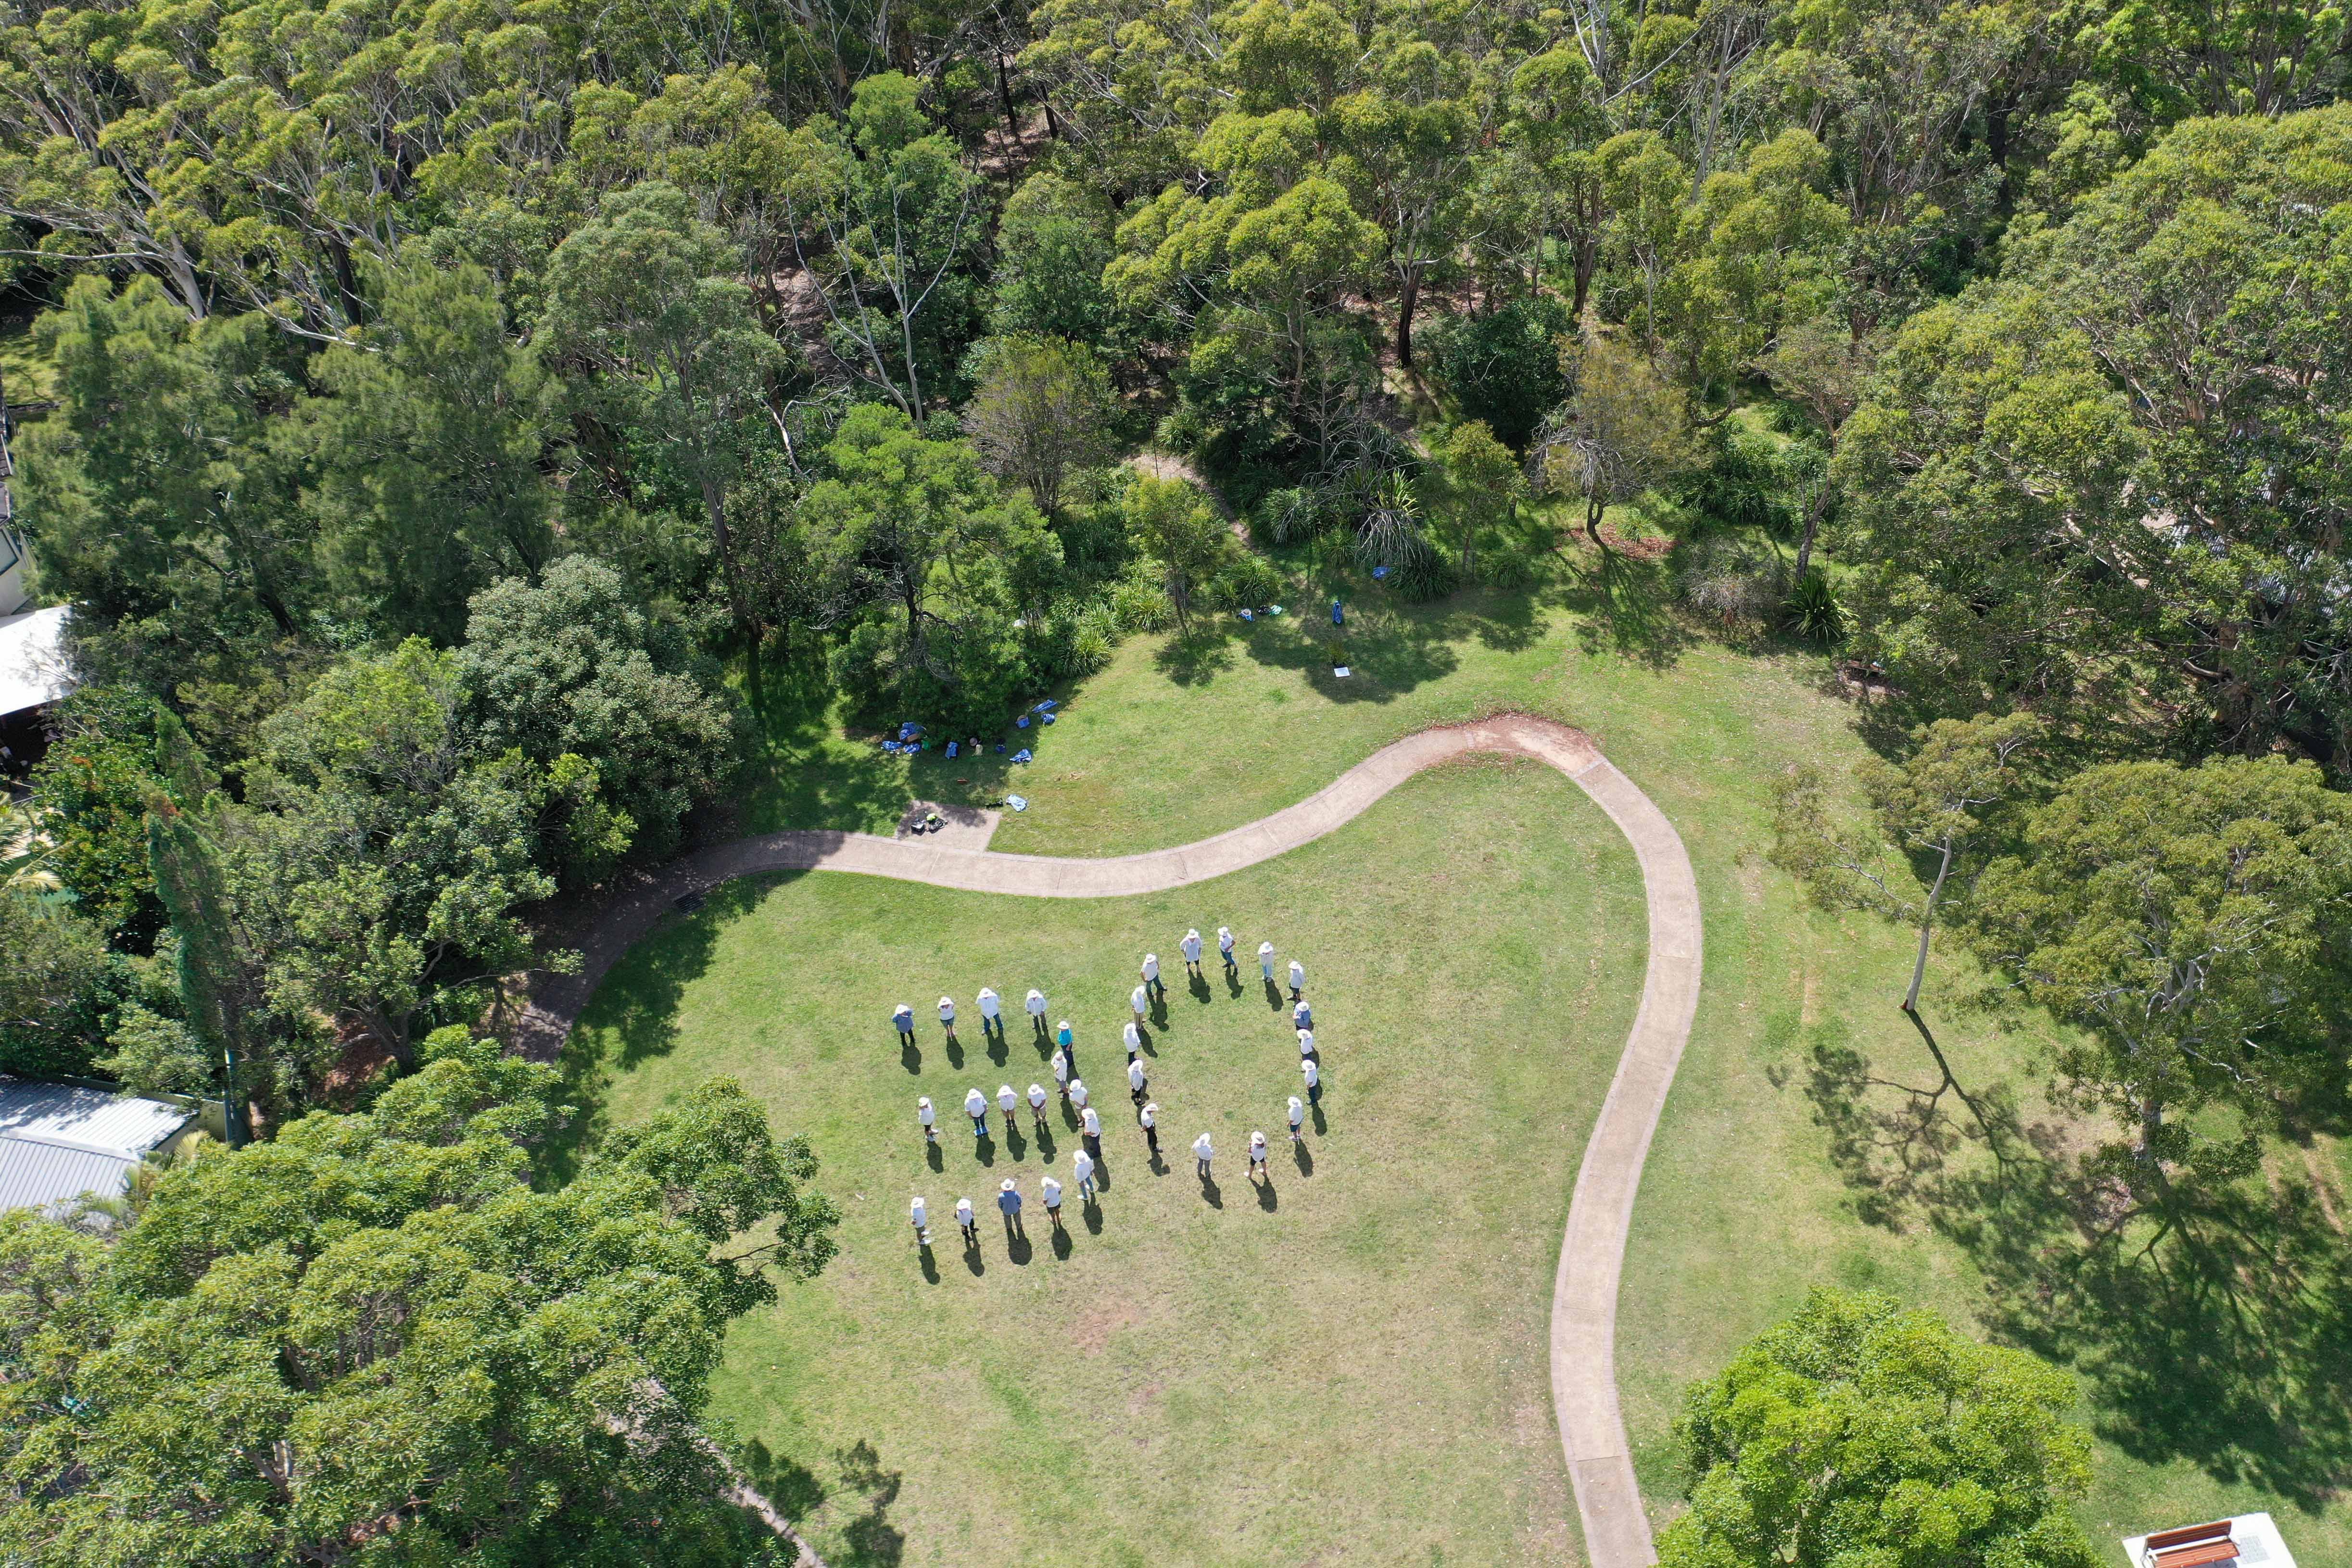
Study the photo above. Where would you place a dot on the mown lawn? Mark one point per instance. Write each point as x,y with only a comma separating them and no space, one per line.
1744,1205
1345,1366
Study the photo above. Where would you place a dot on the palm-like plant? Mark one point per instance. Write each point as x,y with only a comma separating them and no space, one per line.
25,851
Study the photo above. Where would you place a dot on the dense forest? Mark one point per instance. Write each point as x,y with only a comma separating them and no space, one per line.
465,420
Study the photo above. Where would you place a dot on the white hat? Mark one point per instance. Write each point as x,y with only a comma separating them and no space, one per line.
947,1001
925,1102
1007,1185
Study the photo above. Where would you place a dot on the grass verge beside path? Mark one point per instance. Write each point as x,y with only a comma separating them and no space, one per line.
1349,1368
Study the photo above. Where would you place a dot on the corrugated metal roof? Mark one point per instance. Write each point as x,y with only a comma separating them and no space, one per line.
58,1140
41,1176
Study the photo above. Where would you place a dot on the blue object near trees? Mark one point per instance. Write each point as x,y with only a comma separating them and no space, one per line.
1339,618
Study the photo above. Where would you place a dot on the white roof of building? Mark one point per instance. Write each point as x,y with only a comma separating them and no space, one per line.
33,668
58,1141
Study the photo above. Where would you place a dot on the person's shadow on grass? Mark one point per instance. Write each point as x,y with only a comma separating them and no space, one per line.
1017,1250
984,1150
1158,1166
1092,1214
1014,1144
1197,984
973,1260
1266,1198
1303,1157
1159,1014
930,1265
1069,1116
933,1157
997,1052
1212,1193
910,1055
1273,996
1143,1042
955,1053
1044,1142
1062,1242
1232,982
1102,1174
1321,1126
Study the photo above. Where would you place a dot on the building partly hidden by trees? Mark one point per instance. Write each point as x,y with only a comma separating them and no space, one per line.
373,1337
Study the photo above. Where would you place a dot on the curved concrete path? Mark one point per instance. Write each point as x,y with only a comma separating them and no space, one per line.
1592,1253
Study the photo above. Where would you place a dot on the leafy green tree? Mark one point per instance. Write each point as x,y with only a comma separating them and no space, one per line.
373,1327
1938,811
577,668
89,800
1484,484
1624,432
383,866
2113,483
58,990
1503,366
1053,244
1174,525
2192,924
933,563
884,215
1856,1432
1041,410
427,450
156,496
645,296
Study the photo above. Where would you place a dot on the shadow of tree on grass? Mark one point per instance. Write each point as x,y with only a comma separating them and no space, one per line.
2211,1324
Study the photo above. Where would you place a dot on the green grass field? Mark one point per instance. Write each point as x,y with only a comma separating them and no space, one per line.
1743,1207
1345,1366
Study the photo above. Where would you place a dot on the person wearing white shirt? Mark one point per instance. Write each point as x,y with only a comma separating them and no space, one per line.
1008,1102
1297,979
1062,1074
1306,1042
1037,1105
965,1223
1079,1094
991,1009
975,1105
1297,1115
1050,1191
1134,1039
1135,1079
902,1018
929,1119
1090,1127
1313,1076
1202,1152
947,1017
1225,945
1191,946
1151,972
1149,1117
919,1215
1082,1172
1258,1156
1265,960
1141,1000
1037,1005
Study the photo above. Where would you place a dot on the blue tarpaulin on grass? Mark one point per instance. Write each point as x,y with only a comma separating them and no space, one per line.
1022,755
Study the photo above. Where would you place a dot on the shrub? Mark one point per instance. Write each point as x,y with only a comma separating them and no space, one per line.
1504,366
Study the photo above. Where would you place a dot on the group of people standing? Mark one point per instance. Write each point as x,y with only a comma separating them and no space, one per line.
1086,1160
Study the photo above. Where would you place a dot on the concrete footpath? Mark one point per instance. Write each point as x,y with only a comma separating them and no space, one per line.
1600,1215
